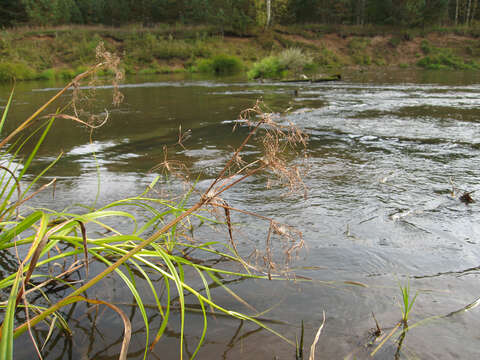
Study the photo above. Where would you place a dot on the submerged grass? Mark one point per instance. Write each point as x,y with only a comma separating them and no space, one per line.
41,238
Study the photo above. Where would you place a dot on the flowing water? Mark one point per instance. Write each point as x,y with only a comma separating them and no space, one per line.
386,151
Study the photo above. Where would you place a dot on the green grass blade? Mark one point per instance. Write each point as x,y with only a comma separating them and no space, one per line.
33,153
204,331
31,156
6,343
179,285
166,317
135,294
5,111
204,314
25,224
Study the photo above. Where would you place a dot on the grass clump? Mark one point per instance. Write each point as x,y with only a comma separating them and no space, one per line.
295,60
327,58
267,68
289,62
16,71
443,59
407,301
220,65
358,51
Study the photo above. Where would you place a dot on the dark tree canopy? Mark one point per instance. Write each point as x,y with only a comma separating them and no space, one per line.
238,14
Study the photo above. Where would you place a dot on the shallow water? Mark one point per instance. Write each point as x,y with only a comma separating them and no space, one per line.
384,150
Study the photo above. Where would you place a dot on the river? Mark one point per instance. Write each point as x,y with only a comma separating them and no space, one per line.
389,154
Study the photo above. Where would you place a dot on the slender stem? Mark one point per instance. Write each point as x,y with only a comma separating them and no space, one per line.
245,141
32,117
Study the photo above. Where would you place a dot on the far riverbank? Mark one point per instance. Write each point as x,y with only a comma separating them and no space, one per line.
63,52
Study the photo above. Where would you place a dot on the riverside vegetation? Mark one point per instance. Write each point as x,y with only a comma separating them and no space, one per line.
160,245
61,52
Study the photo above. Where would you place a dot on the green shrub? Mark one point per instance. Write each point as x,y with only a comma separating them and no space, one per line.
269,67
66,74
48,74
426,47
19,71
358,51
380,61
438,58
220,64
326,57
294,59
147,71
358,44
395,41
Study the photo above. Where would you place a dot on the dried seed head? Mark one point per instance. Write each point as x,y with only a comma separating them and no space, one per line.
111,62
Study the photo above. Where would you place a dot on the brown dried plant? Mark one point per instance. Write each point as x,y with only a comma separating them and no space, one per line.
83,99
278,140
108,61
274,138
282,147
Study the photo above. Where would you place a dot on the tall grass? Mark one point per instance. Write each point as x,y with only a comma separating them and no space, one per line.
155,247
291,61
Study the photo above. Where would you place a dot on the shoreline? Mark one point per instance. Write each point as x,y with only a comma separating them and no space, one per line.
63,52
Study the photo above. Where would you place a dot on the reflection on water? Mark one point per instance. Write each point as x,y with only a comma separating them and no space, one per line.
384,152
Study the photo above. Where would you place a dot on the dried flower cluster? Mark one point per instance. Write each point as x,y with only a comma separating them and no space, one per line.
282,147
83,99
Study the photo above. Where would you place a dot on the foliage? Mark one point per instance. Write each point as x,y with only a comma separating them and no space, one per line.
16,71
327,58
238,16
358,50
292,60
407,301
443,58
267,68
220,65
46,12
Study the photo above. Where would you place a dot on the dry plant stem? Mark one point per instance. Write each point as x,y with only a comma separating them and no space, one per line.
18,203
32,117
232,159
126,322
229,185
74,267
36,255
317,337
268,260
242,211
390,334
25,303
74,118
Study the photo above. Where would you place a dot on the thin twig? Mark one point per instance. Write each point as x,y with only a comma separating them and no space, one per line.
317,337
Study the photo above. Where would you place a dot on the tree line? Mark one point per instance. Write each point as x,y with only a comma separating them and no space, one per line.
240,14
